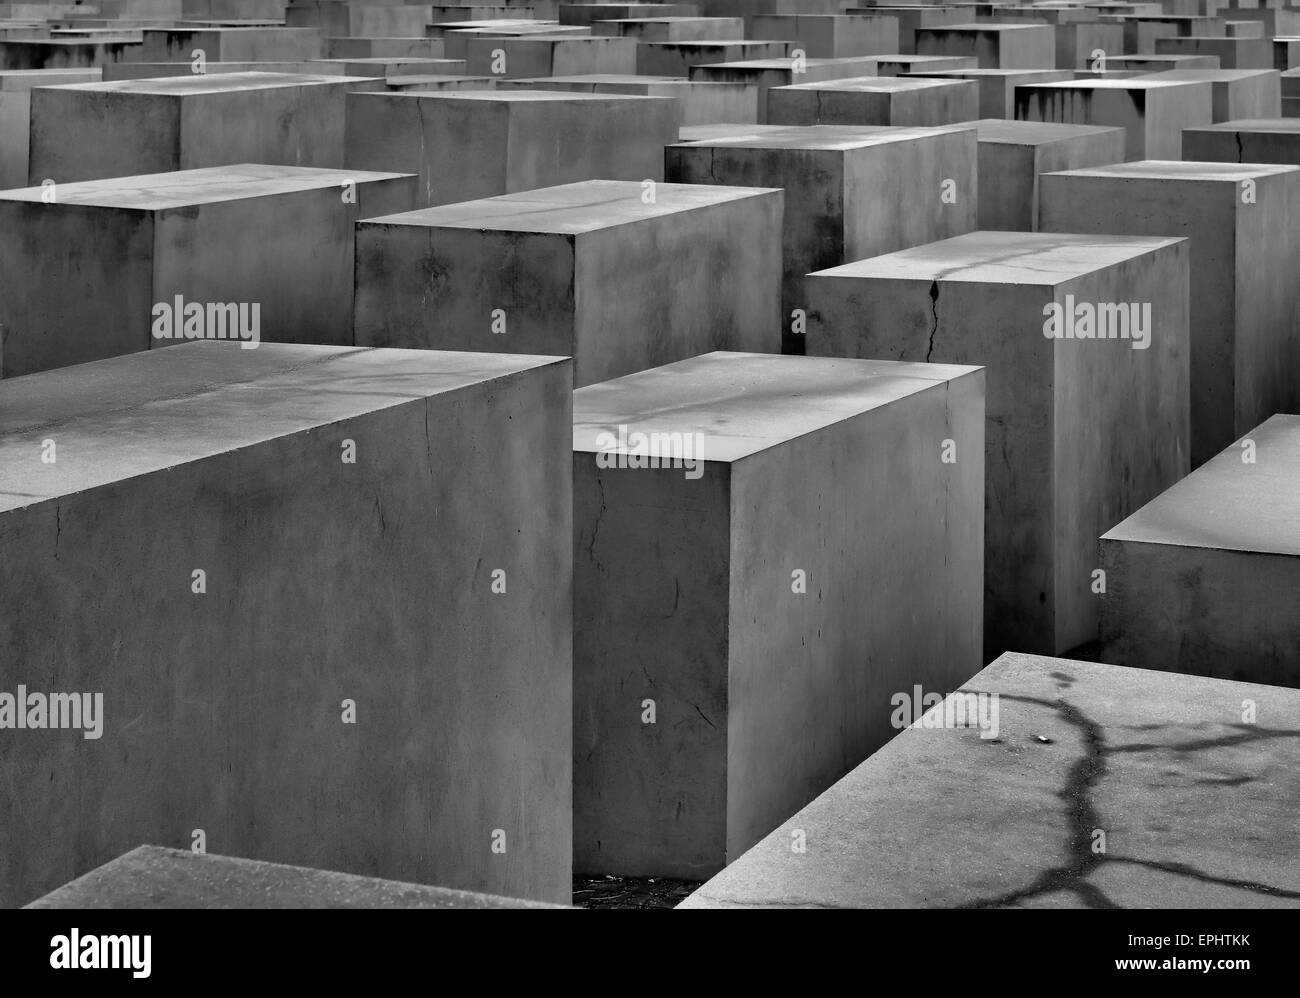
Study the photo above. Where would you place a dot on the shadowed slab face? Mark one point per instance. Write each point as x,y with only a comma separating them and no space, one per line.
1104,787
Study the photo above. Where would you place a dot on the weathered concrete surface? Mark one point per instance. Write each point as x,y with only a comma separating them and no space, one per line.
1154,112
763,694
910,65
994,46
153,70
1203,578
153,877
586,270
387,66
325,581
233,44
874,100
673,29
997,87
549,55
440,81
1149,63
678,58
769,73
456,42
15,115
86,270
850,192
1244,225
337,19
89,131
1237,93
830,36
1080,433
941,818
18,53
477,144
909,18
1259,140
369,48
587,13
700,102
1233,53
1014,154
1076,42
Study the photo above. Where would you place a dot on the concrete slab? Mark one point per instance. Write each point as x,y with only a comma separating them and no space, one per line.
1233,53
1243,221
455,43
769,73
114,72
34,53
994,46
387,66
997,87
225,696
477,144
152,877
1080,432
434,82
98,262
549,55
1014,154
904,65
909,18
1154,112
814,468
1077,43
90,131
1257,140
674,29
1150,63
851,192
873,100
370,48
233,44
1082,748
339,19
699,102
588,270
16,118
1237,93
588,13
830,36
677,58
1202,579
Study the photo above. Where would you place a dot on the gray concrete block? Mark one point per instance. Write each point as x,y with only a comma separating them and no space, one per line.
233,44
851,192
1154,112
769,73
387,66
470,145
89,131
997,87
546,55
678,58
1236,93
582,14
700,102
1244,225
1203,578
905,65
117,71
18,53
906,829
94,262
874,100
994,46
16,117
435,82
152,877
369,48
338,19
830,36
1080,432
1149,63
674,29
455,43
1261,140
587,270
909,18
1014,154
324,581
825,470
1233,53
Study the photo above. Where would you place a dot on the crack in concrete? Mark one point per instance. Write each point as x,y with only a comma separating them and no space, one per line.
934,311
706,717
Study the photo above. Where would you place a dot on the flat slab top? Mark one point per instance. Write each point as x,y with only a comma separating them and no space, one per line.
743,403
154,877
978,28
1030,258
787,63
1274,125
594,78
1198,808
1212,75
25,79
586,206
1064,74
703,133
1227,504
519,96
1032,133
875,84
146,412
825,137
212,83
1164,169
1126,83
207,185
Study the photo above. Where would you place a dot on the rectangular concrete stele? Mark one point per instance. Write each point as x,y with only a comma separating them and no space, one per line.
830,36
455,44
1076,44
769,73
678,58
901,65
997,87
1244,225
369,48
1286,53
152,877
699,102
820,535
994,46
18,53
1154,112
93,130
221,710
1080,432
233,44
1203,578
95,260
540,55
874,100
387,66
1260,140
674,29
1237,93
440,81
15,115
1233,53
1159,63
909,18
1014,154
337,19
153,70
446,28
942,817
851,192
587,270
478,144
582,14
